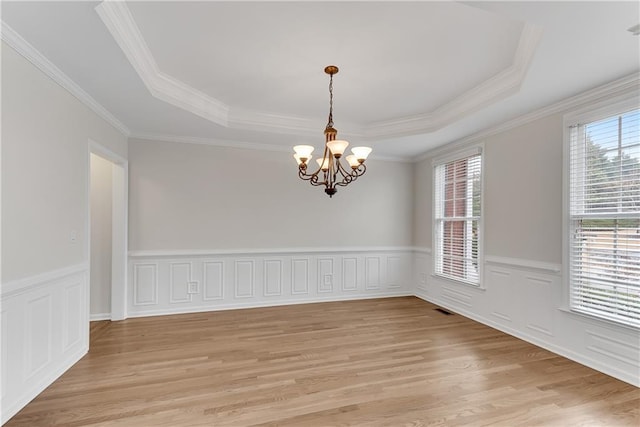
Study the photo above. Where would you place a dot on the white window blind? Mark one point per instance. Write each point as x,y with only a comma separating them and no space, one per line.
458,189
604,181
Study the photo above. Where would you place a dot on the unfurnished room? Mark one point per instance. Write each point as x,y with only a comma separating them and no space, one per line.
320,213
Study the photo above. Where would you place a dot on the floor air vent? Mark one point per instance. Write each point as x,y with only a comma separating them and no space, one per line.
443,311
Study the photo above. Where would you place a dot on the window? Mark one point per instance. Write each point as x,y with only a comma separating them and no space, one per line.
604,217
457,217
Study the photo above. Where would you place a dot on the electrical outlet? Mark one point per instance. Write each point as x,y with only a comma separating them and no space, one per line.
327,279
192,287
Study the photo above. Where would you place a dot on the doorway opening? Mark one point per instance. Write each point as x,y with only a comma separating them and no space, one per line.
107,231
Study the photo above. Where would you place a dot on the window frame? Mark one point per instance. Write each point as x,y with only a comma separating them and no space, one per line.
473,150
612,106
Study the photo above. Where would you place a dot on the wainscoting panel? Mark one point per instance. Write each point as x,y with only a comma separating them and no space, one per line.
539,314
273,277
300,277
325,275
244,283
349,274
372,273
73,318
45,330
259,278
524,298
395,268
145,284
502,307
213,281
179,278
39,333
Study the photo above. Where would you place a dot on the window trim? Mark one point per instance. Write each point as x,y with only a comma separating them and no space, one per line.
468,151
592,112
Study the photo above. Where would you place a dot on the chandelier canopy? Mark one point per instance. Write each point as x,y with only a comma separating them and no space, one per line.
331,173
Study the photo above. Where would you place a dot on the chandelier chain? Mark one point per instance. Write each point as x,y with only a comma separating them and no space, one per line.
330,123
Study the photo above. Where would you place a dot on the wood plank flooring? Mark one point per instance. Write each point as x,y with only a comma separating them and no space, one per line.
383,362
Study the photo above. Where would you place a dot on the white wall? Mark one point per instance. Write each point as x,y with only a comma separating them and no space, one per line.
45,140
523,291
100,196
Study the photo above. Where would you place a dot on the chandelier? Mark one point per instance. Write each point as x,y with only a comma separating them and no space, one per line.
331,173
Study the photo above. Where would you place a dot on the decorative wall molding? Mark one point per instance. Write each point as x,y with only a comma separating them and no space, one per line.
122,26
299,276
145,284
31,54
272,277
45,330
524,263
31,283
244,278
180,253
235,279
179,279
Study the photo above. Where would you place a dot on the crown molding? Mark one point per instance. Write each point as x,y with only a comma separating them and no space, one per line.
260,121
31,54
210,141
500,86
121,24
242,145
620,87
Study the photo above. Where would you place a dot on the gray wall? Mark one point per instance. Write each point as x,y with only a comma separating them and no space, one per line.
187,196
45,139
522,193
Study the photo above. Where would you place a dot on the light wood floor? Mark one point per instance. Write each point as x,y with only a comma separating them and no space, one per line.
384,362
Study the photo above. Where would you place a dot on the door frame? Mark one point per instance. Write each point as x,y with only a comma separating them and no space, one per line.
119,226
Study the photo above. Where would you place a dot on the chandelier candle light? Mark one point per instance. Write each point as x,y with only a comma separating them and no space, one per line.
331,173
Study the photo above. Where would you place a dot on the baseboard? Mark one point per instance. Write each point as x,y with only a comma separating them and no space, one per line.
99,316
262,304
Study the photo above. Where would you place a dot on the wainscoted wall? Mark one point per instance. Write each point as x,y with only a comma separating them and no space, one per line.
45,330
183,282
524,298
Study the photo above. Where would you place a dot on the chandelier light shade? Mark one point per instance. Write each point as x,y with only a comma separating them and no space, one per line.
331,173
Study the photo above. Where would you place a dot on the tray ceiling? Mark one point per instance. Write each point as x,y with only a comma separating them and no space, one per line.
413,75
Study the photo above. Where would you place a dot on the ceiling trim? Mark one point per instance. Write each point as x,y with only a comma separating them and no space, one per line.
501,85
122,26
623,86
241,145
120,23
31,54
208,141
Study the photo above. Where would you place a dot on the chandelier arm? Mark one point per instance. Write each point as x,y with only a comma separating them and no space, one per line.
355,173
343,171
302,174
360,170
